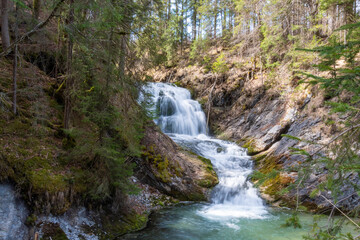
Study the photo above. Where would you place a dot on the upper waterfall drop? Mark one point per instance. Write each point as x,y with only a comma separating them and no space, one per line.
176,111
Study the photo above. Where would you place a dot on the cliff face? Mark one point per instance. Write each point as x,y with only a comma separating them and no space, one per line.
254,109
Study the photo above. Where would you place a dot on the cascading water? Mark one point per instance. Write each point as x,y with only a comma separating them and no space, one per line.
184,121
177,112
235,211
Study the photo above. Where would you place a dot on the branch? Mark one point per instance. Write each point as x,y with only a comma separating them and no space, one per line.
341,211
34,30
332,140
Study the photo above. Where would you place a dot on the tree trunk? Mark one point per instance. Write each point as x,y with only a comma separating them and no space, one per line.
69,80
215,17
15,64
194,20
5,37
182,28
349,12
36,8
223,18
122,59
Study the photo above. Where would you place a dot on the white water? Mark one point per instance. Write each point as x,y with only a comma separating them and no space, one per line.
184,121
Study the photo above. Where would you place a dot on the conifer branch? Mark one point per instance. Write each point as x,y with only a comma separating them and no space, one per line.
34,30
332,140
340,211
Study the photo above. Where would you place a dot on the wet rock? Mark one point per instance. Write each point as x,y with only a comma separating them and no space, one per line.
13,214
75,224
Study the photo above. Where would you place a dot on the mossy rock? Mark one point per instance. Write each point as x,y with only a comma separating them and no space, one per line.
52,231
131,222
208,182
251,147
197,197
258,158
276,184
159,164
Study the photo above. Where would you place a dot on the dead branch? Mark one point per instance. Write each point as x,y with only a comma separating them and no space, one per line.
34,30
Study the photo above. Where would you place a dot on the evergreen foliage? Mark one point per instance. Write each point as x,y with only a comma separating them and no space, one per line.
110,127
341,77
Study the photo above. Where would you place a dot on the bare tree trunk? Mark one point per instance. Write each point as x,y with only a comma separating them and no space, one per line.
5,37
215,17
169,10
69,80
223,18
122,59
15,64
194,20
36,8
182,28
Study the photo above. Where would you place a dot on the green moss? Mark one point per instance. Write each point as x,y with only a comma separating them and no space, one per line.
196,196
31,220
177,83
205,160
114,228
52,231
276,184
258,158
44,180
269,163
251,147
208,182
160,164
18,126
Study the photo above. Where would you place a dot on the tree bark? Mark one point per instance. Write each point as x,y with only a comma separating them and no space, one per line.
36,8
194,20
5,37
15,64
182,27
7,50
215,17
69,80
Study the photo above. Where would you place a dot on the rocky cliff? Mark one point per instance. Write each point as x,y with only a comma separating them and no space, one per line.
255,108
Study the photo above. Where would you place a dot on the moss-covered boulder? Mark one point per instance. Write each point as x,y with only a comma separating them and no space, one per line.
172,170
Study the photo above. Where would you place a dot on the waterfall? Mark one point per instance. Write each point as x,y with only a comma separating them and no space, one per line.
184,121
176,112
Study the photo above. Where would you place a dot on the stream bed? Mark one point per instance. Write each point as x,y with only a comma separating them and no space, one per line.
188,222
235,210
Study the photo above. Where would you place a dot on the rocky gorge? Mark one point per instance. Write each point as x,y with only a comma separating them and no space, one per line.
253,109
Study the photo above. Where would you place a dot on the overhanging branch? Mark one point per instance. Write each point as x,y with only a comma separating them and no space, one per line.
34,30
